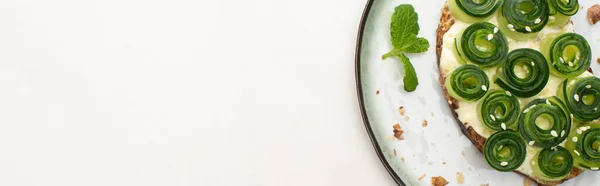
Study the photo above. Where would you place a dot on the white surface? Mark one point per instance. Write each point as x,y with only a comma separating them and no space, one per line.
181,92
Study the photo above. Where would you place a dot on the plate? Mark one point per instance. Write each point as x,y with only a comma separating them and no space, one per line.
440,148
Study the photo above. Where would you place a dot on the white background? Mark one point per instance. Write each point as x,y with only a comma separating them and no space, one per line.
182,92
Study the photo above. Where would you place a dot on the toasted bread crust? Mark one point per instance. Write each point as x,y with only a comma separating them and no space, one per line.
446,22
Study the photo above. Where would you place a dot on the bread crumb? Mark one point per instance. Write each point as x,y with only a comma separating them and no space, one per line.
598,60
462,153
395,152
526,182
593,14
405,118
421,177
460,179
424,123
485,184
438,181
402,159
398,132
401,110
444,163
430,163
377,92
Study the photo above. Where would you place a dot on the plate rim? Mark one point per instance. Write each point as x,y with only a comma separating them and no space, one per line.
361,102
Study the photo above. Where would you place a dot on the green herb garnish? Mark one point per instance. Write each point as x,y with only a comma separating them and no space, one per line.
403,30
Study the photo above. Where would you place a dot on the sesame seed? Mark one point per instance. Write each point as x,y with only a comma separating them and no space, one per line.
561,60
503,125
495,30
576,152
572,82
570,63
588,86
551,18
504,163
576,97
511,27
493,118
567,1
553,133
508,93
525,111
562,133
531,143
532,64
583,129
523,12
594,168
528,28
595,108
538,21
483,87
490,37
574,139
578,131
548,102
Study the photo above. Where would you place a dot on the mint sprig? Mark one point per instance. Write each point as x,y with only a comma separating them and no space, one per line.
404,30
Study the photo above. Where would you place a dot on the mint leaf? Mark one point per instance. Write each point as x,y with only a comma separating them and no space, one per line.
404,27
403,31
422,45
410,75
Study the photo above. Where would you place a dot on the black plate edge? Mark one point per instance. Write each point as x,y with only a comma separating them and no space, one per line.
363,112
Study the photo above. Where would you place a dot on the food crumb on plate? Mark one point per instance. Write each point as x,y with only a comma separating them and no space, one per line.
438,181
401,110
462,153
526,182
430,163
593,14
395,152
598,60
424,123
406,118
421,177
402,159
485,184
398,132
460,179
444,163
377,92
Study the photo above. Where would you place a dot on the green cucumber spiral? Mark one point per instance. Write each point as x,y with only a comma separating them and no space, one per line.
565,7
582,97
483,44
499,111
533,82
505,150
474,10
468,82
545,122
521,18
553,163
584,145
569,55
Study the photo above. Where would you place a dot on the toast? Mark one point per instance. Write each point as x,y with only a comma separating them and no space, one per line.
446,22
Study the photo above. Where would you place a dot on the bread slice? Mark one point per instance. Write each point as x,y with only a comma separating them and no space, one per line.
446,22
